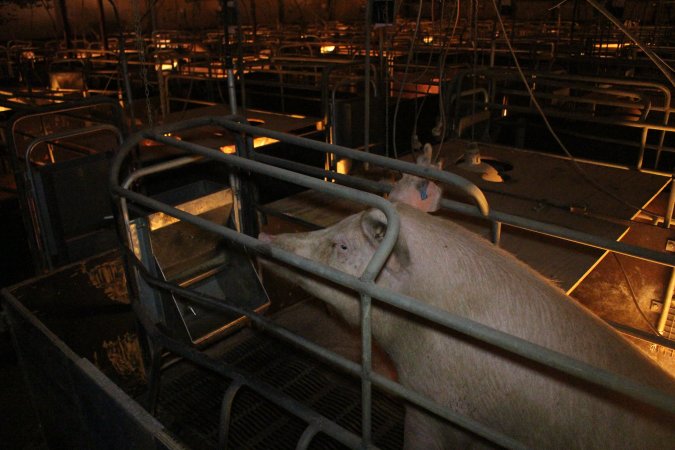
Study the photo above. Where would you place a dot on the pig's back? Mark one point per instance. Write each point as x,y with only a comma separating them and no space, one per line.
465,274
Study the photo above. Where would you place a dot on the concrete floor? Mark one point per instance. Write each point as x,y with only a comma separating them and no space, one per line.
630,291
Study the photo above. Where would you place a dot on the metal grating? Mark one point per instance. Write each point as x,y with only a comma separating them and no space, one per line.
190,401
669,329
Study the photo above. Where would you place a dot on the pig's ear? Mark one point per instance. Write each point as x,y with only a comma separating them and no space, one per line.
374,226
425,158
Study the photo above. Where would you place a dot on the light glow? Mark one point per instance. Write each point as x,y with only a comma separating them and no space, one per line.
343,166
257,142
327,49
609,46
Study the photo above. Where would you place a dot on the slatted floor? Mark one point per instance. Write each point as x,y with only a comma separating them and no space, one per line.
190,401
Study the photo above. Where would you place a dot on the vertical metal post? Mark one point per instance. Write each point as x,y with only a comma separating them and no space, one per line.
643,144
254,20
101,25
227,55
281,13
667,302
153,16
496,232
366,363
668,297
63,12
671,203
366,79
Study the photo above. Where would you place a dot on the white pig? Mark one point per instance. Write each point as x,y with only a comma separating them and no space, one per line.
442,264
418,192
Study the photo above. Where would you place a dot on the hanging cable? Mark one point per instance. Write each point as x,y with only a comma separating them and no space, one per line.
441,102
405,73
141,48
445,46
634,296
555,136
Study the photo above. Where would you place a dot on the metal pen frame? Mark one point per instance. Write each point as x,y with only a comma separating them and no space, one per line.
363,284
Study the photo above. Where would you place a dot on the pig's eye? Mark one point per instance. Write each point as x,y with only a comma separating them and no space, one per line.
340,246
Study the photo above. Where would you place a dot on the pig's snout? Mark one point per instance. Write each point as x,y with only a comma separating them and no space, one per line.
265,237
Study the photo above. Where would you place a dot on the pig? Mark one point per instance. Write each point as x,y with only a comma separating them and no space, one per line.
444,265
419,192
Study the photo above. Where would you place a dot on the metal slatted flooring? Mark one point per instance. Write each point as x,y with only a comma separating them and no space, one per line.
190,401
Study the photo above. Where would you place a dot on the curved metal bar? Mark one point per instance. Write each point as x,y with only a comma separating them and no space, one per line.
306,437
499,339
268,392
393,222
37,210
495,216
226,412
470,189
332,358
457,181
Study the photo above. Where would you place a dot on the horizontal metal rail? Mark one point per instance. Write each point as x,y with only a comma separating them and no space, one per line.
450,179
524,223
230,234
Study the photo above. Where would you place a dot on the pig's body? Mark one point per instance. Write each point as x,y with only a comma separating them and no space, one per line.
444,265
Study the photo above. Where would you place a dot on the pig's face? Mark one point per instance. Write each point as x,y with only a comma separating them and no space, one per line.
347,246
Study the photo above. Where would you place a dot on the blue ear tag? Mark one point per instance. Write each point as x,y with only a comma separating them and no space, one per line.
423,191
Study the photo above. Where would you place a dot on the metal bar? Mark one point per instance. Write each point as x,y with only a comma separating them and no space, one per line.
336,360
643,335
303,412
667,301
393,222
470,328
567,234
671,204
499,339
496,232
306,437
445,177
641,152
366,364
226,413
366,77
39,214
451,179
536,226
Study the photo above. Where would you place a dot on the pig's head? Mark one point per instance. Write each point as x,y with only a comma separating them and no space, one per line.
418,192
347,246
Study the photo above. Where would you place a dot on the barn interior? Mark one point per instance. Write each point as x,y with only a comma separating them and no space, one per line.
138,137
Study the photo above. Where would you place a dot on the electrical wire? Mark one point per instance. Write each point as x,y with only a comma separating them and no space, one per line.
441,103
633,296
555,136
405,73
662,66
445,45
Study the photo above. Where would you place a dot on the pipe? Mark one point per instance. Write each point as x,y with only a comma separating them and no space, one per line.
366,78
101,25
671,204
667,301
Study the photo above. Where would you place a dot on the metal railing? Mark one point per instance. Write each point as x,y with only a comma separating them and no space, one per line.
364,284
643,106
